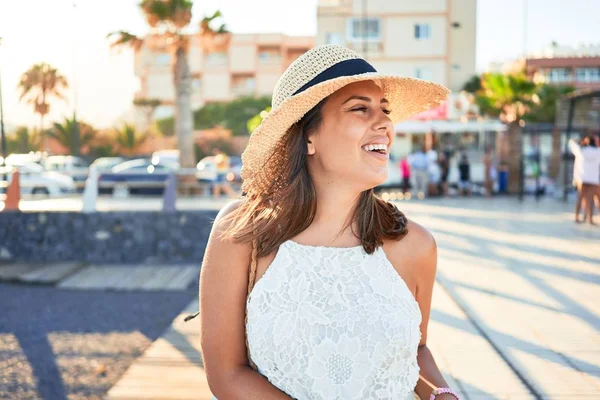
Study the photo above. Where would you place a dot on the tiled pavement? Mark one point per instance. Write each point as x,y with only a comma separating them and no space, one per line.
515,313
515,310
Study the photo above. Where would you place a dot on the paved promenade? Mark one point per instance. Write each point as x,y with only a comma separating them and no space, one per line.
515,314
515,311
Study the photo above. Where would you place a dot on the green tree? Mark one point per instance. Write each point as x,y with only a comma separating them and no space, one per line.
233,115
255,121
168,19
508,97
37,85
473,85
23,140
128,140
544,107
65,134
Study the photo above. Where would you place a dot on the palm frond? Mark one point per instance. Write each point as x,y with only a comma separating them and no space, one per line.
124,39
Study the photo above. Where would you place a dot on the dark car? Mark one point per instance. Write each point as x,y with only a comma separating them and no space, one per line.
139,176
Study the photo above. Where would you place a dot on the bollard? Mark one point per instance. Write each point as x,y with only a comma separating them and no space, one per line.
90,192
170,194
13,193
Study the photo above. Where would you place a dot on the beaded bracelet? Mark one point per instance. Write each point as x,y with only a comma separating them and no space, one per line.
443,390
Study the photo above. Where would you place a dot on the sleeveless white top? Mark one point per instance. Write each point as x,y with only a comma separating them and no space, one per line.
334,323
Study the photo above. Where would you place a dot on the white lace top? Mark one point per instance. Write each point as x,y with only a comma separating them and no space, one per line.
334,323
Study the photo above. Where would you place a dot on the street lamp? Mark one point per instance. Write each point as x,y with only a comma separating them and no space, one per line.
4,177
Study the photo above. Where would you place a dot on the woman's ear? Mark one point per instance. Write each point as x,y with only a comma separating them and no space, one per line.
310,147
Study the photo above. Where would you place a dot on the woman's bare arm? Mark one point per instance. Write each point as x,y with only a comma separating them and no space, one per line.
418,249
223,289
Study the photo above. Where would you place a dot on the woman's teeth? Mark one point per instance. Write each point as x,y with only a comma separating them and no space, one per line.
382,148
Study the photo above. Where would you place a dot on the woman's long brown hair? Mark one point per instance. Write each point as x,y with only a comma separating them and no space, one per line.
289,207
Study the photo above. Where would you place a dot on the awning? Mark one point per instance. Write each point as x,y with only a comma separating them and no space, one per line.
445,126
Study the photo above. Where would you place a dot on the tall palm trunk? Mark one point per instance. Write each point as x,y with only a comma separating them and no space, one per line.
182,80
515,144
44,136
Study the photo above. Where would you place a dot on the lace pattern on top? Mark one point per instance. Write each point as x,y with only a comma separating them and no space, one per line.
334,323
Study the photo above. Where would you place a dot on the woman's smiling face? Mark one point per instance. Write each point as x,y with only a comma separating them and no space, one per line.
354,123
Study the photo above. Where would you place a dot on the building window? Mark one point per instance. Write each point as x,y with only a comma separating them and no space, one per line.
163,59
422,31
559,75
270,56
587,75
334,38
364,28
196,84
218,59
424,73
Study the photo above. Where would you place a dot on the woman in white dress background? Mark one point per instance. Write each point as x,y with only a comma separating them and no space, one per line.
344,280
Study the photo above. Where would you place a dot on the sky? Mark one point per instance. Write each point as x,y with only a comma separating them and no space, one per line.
102,81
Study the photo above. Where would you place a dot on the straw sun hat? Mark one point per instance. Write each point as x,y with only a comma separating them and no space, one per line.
309,79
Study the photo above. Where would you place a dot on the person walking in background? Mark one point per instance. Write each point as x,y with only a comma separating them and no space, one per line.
444,164
222,165
464,171
420,163
586,175
405,170
487,160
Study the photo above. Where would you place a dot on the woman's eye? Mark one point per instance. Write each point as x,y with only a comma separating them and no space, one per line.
360,109
388,112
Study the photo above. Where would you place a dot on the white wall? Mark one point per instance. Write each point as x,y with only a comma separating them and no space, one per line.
160,86
265,83
400,41
400,6
215,85
242,58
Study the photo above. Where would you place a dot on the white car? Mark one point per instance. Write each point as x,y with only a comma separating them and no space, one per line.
75,167
207,170
104,164
35,180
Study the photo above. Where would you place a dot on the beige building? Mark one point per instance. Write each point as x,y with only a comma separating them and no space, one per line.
427,39
250,66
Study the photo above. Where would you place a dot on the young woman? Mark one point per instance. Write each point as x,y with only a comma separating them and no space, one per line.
312,287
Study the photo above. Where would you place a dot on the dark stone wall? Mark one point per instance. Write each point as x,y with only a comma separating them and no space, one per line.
105,237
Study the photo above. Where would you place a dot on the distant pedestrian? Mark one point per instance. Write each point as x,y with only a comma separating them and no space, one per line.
586,175
420,165
488,167
405,170
464,172
444,163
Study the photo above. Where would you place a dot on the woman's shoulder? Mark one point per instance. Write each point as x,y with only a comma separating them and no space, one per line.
226,214
415,252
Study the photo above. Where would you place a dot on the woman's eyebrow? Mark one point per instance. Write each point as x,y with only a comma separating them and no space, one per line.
364,98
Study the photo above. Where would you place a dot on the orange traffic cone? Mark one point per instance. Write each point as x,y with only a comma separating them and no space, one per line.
13,193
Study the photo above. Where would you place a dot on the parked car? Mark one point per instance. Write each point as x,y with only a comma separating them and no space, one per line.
75,167
139,176
207,169
34,180
170,156
105,164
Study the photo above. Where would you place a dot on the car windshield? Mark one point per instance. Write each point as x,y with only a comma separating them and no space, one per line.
29,167
127,165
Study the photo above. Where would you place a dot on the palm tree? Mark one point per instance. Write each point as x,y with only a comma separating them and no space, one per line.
148,107
24,140
545,111
128,140
65,135
37,85
170,17
508,97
